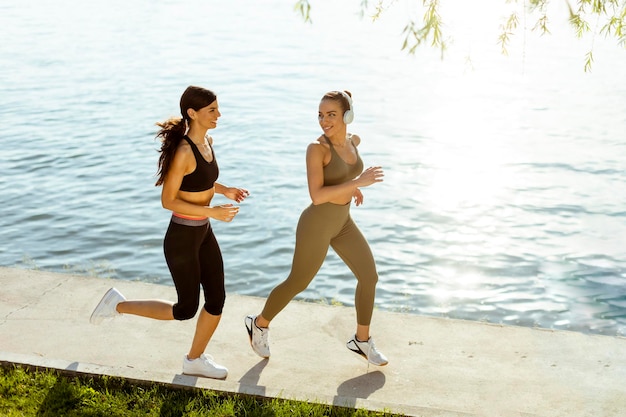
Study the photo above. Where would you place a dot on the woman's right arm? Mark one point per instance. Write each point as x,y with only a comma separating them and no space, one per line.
181,165
340,193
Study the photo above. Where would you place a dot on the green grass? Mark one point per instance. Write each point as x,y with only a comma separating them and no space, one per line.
26,391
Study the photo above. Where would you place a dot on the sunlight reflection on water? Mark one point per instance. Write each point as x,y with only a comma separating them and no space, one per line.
504,188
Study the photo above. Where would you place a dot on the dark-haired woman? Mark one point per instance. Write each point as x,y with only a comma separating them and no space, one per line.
188,173
335,175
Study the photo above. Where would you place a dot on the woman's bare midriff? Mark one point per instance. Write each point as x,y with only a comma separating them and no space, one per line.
198,198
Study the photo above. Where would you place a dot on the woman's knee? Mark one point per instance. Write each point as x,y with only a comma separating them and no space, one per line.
374,279
215,306
368,280
214,310
295,286
185,311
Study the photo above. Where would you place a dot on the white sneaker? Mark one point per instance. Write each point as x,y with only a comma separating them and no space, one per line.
259,338
367,350
106,308
204,366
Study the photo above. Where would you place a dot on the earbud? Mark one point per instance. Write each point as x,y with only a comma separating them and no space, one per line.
348,116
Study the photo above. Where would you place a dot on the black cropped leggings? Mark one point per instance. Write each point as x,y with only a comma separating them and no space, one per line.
194,259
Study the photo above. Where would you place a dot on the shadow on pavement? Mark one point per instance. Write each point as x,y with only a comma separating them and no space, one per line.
359,387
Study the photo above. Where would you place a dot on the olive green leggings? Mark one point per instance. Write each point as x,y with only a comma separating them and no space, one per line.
319,227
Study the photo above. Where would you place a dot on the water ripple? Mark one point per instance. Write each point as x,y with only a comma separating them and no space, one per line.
503,195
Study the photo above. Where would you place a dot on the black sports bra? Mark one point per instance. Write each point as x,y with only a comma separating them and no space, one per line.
204,176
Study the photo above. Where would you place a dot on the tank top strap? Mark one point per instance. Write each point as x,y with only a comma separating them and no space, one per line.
352,143
194,148
211,147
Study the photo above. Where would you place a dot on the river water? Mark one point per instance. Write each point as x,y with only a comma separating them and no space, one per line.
505,189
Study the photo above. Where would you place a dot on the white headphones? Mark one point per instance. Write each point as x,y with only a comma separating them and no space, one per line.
348,116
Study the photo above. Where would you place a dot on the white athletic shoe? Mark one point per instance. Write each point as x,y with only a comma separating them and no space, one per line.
259,338
367,350
106,307
204,366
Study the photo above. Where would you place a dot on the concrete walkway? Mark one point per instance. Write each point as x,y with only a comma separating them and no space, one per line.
438,367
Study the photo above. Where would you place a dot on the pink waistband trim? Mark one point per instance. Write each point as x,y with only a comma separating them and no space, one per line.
182,216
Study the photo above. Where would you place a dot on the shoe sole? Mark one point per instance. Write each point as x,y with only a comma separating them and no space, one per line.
364,356
204,376
94,319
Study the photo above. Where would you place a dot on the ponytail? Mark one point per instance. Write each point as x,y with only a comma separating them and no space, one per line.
172,132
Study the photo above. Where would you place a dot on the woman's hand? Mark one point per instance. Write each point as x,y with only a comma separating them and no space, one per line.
236,194
370,176
224,212
358,197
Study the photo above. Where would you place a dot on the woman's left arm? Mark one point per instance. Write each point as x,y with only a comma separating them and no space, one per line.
234,193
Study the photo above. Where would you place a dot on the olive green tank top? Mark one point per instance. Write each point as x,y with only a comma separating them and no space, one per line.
338,171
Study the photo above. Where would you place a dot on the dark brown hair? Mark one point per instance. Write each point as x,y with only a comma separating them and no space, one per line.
173,129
